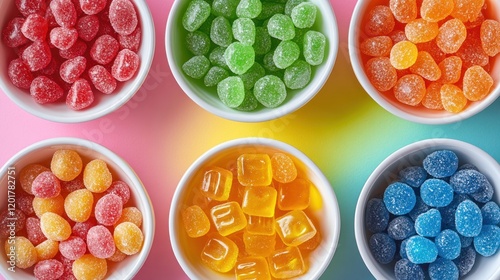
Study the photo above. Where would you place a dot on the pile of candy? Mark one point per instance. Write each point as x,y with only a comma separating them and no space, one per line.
252,51
254,218
68,49
71,219
433,52
439,214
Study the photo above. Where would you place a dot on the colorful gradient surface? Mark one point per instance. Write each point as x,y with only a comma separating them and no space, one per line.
160,132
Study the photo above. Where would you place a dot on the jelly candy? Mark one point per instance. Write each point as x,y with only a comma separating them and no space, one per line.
239,57
90,267
467,10
400,228
24,202
381,73
64,12
468,219
490,37
476,83
87,27
295,228
406,270
28,7
428,224
410,89
260,225
283,167
25,252
448,244
100,242
259,201
249,8
468,181
441,163
451,70
466,260
285,54
33,231
122,16
399,198
304,15
128,238
421,250
254,170
195,221
228,218
96,176
252,268
12,35
48,269
436,193
404,10
44,205
63,38
196,14
37,55
80,95
73,248
198,43
79,48
294,195
108,209
270,9
281,27
44,90
471,52
226,8
421,31
72,69
259,245
436,10
196,67
244,31
270,91
214,76
413,176
297,75
249,103
221,32
66,165
376,215
118,256
81,229
104,49
488,241
490,212
314,47
131,41
231,91
262,44
379,21
286,263
443,268
6,219
78,205
252,75
92,7
426,67
403,55
382,247
376,46
46,185
453,98
102,79
220,254
451,36
35,27
20,74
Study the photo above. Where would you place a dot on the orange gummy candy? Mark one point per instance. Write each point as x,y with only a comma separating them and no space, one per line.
453,98
25,252
284,169
426,67
254,170
467,10
404,10
381,73
261,225
432,98
477,83
220,254
78,205
252,268
228,218
259,245
96,176
28,175
472,52
376,46
421,31
131,214
380,21
195,221
217,183
128,238
403,55
397,36
47,250
294,195
436,10
451,36
433,49
475,23
90,267
410,89
490,37
451,70
259,201
44,205
286,263
295,228
66,164
312,243
55,227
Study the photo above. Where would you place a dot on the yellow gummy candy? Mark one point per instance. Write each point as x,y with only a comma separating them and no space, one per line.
295,228
25,252
66,164
403,55
259,201
55,227
254,170
286,263
294,195
195,221
128,238
252,268
89,267
220,254
217,183
228,218
78,205
259,245
96,176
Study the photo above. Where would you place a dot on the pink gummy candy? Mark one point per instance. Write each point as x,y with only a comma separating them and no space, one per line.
37,55
81,229
33,231
108,209
104,49
122,16
48,269
44,90
100,242
102,80
51,68
6,218
12,35
131,41
46,185
87,27
125,65
73,185
73,248
68,268
64,12
20,74
92,7
51,20
78,49
63,38
28,7
71,69
35,27
24,202
80,95
120,189
79,11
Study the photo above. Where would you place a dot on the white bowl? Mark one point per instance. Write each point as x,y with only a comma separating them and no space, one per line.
103,104
207,97
415,114
413,154
328,215
42,152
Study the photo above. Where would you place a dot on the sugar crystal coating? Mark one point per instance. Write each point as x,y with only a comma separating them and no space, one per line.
304,15
25,252
284,169
428,224
221,32
401,227
78,205
413,176
471,52
262,44
491,213
377,216
399,198
128,238
48,269
443,269
244,30
466,260
448,244
131,41
249,103
376,46
448,212
314,47
441,163
484,194
55,227
104,49
381,73
20,74
27,7
252,75
270,91
249,8
477,83
102,79
406,270
281,27
81,229
118,256
96,176
90,267
488,241
421,250
35,27
87,27
198,43
44,90
379,21
269,9
226,8
467,181
44,205
285,54
66,165
131,214
490,37
215,75
195,221
64,12
383,247
120,189
122,16
436,10
468,219
453,98
426,67
79,48
196,14
80,95
108,209
24,202
451,36
404,10
467,10
231,91
73,248
451,70
421,31
436,193
12,35
92,7
46,185
100,242
5,222
297,75
196,67
410,89
239,57
72,69
37,55
259,245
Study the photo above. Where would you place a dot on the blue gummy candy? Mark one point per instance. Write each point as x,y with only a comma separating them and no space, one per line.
468,166
468,219
406,270
448,212
443,269
419,208
465,261
376,216
448,244
382,247
467,181
491,213
484,194
402,249
465,241
436,193
488,241
399,198
428,224
401,227
421,250
413,176
441,164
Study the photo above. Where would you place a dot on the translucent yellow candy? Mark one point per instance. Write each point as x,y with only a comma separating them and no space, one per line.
286,263
294,195
312,243
228,218
128,238
259,201
24,252
89,267
252,268
254,170
261,225
403,55
220,254
44,205
217,183
47,250
96,176
78,205
66,164
259,245
453,98
284,169
477,83
131,214
295,228
55,227
195,221
421,31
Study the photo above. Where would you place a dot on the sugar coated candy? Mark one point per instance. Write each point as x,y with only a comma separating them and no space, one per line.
314,47
231,91
27,7
259,245
490,37
421,250
404,10
198,43
215,75
249,103
78,205
453,98
20,74
72,69
259,201
37,55
96,176
376,215
401,227
220,254
128,238
467,10
406,270
44,205
100,242
63,38
448,244
55,227
121,189
80,95
410,89
421,31
468,181
64,12
304,15
66,165
284,170
285,54
81,229
252,75
47,250
45,90
216,57
491,213
108,209
35,27
102,79
123,16
466,260
249,8
376,46
413,176
239,57
476,83
92,7
90,267
297,75
436,193
403,55
73,248
436,10
451,36
228,218
399,198
104,49
125,65
25,253
226,8
195,221
78,48
443,269
428,224
196,67
468,219
6,218
118,256
270,91
379,21
131,41
381,73
426,67
244,31
48,269
269,9
488,240
12,35
451,70
441,163
196,14
87,27
383,247
46,185
221,32
252,267
295,228
130,214
286,263
281,27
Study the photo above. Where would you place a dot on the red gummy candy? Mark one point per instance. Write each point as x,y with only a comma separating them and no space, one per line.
92,7
81,229
63,38
51,68
73,185
37,55
100,242
80,95
125,65
108,209
34,232
24,202
68,268
6,219
105,28
79,11
20,74
73,248
78,49
44,90
48,270
102,80
46,185
122,16
35,27
120,189
132,41
64,12
51,20
104,49
28,7
87,27
71,69
12,35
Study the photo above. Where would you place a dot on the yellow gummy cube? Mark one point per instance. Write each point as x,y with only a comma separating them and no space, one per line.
259,245
228,218
252,268
259,201
195,221
294,195
295,228
286,263
217,183
261,225
254,170
220,254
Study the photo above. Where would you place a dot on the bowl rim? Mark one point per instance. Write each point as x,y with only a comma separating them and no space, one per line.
359,227
252,117
149,220
326,190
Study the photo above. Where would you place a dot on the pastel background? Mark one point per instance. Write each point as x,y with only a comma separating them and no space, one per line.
160,132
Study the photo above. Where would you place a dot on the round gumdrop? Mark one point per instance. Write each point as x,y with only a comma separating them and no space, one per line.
90,267
108,209
33,231
404,10
73,185
376,46
381,73
81,229
128,238
401,228
448,244
477,83
490,37
48,269
436,10
451,69
130,214
73,248
125,65
20,74
78,205
443,269
453,98
104,49
270,91
87,27
380,21
421,31
96,176
467,10
28,7
399,198
100,242
92,7
406,270
122,16
436,193
6,218
468,219
488,241
55,227
466,260
64,12
376,215
451,36
72,69
471,52
382,247
12,35
426,67
35,27
428,224
421,250
44,205
131,41
120,189
432,98
102,80
80,95
67,264
37,55
28,174
78,49
441,163
491,213
25,252
63,38
410,89
403,55
46,185
118,256
66,164
24,202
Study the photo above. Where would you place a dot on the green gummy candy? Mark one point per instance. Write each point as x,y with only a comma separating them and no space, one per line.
252,75
270,91
290,4
298,75
269,9
217,57
196,67
281,27
249,8
314,47
268,62
244,31
214,76
207,25
231,91
286,53
239,57
221,32
226,8
249,104
262,44
304,15
198,43
196,14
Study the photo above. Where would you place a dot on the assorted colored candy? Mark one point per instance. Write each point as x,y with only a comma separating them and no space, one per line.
252,218
430,53
74,220
70,50
253,52
434,219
